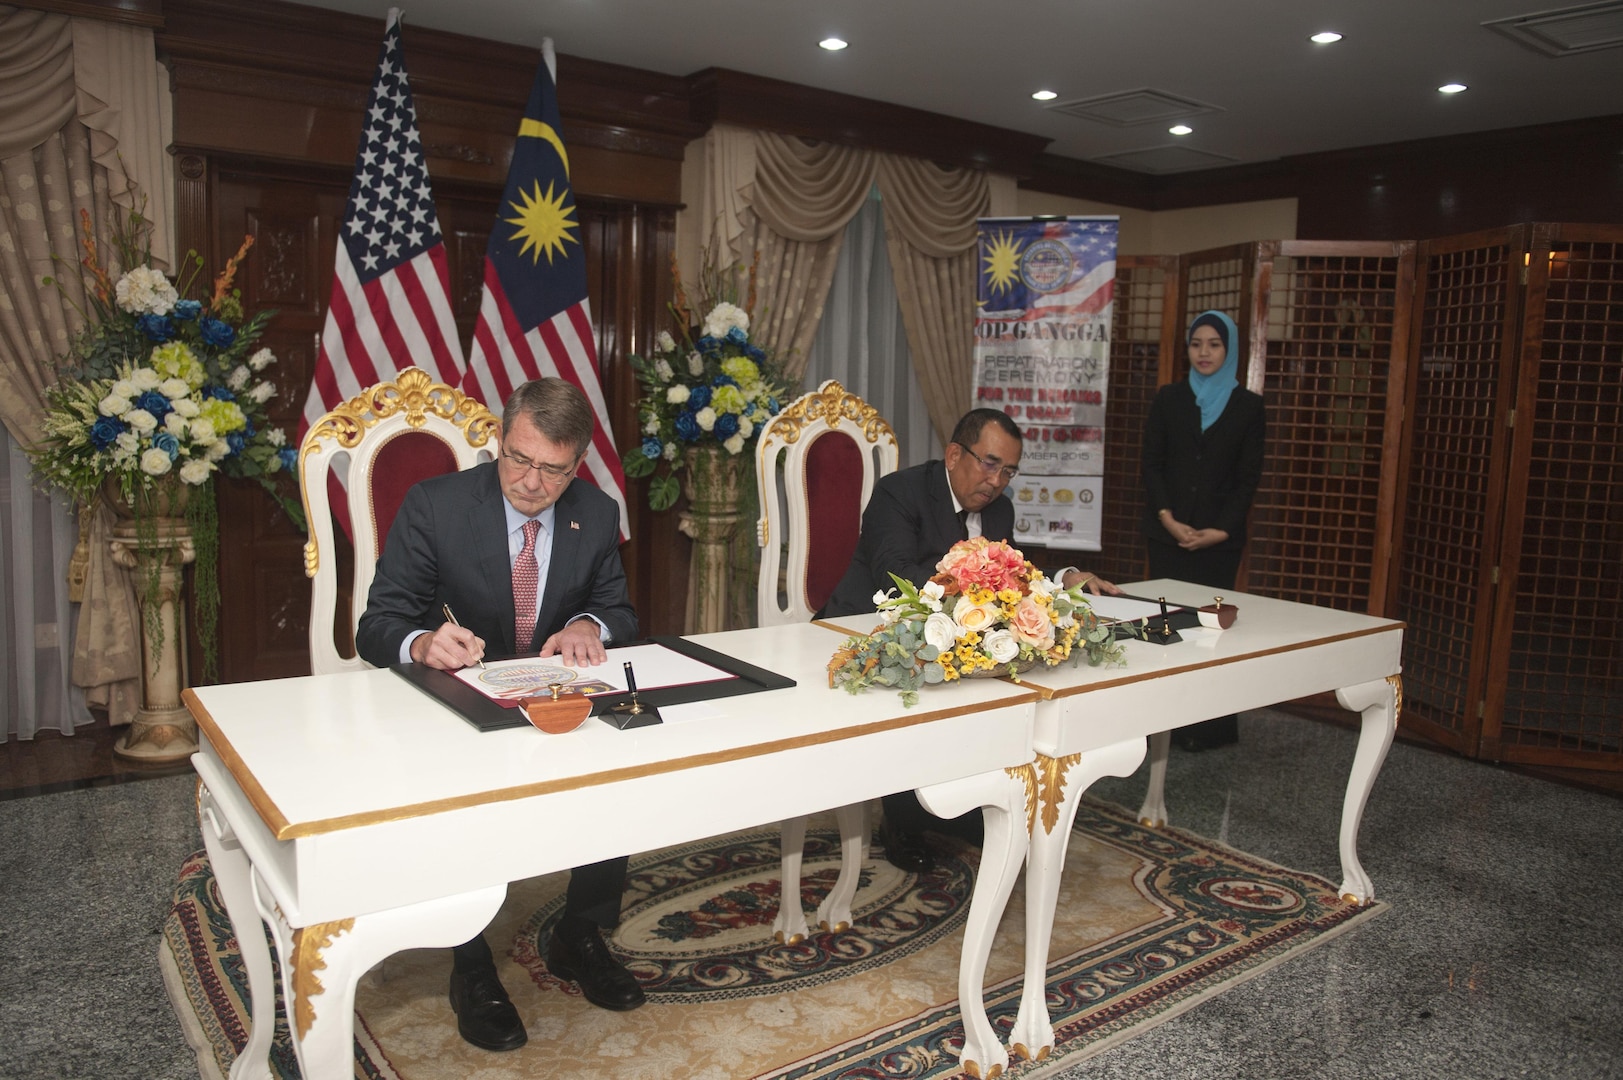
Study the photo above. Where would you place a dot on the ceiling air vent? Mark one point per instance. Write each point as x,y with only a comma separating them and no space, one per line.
1568,31
1130,107
1165,159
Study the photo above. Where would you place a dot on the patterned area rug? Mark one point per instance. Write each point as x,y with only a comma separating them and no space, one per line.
1150,923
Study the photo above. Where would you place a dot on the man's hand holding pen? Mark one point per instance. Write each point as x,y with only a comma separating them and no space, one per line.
450,648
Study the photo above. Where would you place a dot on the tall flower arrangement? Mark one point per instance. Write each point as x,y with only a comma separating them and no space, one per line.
986,611
160,393
712,387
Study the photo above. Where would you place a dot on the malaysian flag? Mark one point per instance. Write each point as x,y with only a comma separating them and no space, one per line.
391,295
534,319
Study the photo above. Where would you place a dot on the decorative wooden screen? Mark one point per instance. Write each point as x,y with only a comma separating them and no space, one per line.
1555,691
1335,317
1461,381
1145,302
1215,280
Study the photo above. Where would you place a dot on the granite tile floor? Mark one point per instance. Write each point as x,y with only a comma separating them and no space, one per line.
1502,955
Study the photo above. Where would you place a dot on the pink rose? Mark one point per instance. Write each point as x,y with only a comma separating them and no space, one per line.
1031,624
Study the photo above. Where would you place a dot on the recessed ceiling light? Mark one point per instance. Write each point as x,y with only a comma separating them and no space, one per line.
1180,129
832,44
1325,37
1451,88
1045,95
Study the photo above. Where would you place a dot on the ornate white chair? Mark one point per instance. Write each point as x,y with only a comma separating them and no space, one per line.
381,442
816,463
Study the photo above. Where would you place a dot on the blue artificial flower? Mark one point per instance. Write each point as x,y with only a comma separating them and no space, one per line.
289,457
708,345
215,332
652,448
755,353
154,403
220,393
687,428
726,425
698,398
105,431
162,440
157,328
236,441
772,405
186,309
723,380
737,336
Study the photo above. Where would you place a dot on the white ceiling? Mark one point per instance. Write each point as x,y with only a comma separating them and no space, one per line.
1279,94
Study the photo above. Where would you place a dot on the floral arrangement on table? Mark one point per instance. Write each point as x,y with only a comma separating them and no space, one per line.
712,387
987,611
161,392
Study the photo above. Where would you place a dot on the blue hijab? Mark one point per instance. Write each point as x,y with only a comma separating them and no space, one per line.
1212,391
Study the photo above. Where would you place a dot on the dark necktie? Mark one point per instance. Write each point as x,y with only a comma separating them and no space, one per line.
963,524
526,576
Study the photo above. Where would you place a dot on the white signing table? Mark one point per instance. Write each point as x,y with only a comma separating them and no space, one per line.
1094,722
358,816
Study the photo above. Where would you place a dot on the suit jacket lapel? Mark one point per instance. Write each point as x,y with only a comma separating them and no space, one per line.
943,518
566,543
488,525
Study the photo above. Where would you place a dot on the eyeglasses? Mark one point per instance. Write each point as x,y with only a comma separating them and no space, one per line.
991,466
552,473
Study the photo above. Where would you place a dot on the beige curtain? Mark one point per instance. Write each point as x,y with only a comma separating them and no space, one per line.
84,127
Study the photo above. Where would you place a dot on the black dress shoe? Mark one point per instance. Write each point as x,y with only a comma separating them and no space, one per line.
581,956
485,1016
1208,734
905,850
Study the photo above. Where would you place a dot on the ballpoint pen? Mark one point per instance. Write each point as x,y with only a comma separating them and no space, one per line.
450,618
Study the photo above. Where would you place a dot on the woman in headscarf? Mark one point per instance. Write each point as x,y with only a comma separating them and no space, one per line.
1202,463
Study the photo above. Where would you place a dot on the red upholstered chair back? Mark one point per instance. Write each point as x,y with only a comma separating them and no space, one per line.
816,463
363,457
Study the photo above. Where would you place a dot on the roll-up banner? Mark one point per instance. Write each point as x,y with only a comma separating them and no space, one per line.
1042,355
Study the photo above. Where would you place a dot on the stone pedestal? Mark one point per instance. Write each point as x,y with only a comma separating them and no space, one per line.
713,482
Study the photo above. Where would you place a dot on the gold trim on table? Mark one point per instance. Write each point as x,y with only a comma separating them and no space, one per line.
308,942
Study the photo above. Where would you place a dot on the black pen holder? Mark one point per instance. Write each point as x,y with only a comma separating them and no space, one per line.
628,713
1160,632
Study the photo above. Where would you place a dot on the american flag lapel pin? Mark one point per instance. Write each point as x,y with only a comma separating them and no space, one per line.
575,525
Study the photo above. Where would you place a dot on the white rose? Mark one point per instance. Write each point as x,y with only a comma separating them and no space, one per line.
187,407
276,437
723,317
262,359
746,427
663,369
175,424
196,471
123,388
652,427
695,364
113,405
665,342
941,631
1001,646
155,463
262,392
676,394
145,291
127,441
174,388
202,431
218,449
142,421
734,445
705,418
238,378
144,379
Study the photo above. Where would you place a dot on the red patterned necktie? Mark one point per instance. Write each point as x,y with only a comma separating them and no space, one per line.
526,575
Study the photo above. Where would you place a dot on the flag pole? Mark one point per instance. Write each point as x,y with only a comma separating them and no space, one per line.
551,58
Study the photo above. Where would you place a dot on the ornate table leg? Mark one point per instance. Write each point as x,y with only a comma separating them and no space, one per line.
1381,704
1062,782
1009,801
322,963
1153,814
233,877
789,927
834,913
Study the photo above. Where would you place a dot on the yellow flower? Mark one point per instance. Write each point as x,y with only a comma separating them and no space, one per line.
1009,596
949,673
980,596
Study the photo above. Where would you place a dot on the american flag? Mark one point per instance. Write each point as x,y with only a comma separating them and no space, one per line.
391,295
1075,271
534,319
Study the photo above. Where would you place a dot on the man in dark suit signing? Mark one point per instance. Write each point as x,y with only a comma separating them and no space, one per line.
528,561
914,517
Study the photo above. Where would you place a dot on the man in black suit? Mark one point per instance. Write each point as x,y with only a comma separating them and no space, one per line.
528,562
914,517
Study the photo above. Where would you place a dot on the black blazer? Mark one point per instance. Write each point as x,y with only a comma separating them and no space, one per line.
908,525
448,546
1206,478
